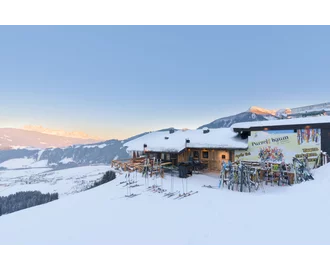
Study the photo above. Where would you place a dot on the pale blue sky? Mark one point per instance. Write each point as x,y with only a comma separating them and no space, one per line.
117,81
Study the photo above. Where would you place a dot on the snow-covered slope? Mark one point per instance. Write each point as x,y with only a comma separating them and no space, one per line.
281,215
65,182
21,163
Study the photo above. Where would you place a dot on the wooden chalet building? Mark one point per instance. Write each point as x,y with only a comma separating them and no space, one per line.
209,146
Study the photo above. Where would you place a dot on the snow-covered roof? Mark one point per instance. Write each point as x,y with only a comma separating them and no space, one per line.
222,138
285,122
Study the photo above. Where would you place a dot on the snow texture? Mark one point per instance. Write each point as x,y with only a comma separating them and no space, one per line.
280,215
65,182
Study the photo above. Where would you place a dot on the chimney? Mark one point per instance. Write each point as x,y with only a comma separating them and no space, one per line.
145,148
187,141
206,130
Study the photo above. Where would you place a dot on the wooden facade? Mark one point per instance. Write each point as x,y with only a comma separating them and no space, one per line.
213,158
164,156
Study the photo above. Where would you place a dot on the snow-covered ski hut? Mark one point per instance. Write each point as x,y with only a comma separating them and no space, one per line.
209,146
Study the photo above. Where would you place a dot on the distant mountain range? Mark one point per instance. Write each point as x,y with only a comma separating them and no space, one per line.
70,156
253,114
62,133
12,138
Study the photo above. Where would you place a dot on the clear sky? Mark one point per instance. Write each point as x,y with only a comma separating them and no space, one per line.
117,81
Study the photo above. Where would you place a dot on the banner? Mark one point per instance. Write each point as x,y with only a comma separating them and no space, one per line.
283,145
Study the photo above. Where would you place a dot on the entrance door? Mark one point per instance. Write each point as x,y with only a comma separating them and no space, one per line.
222,155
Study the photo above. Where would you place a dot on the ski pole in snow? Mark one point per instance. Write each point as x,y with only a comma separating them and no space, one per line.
161,181
127,190
173,180
146,181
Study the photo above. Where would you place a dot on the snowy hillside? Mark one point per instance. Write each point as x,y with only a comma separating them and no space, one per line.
64,182
61,158
280,215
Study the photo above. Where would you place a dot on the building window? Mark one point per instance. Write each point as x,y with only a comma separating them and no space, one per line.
205,154
196,154
223,157
162,156
168,157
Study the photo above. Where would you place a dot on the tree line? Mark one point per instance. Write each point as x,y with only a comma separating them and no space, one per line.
107,177
24,199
